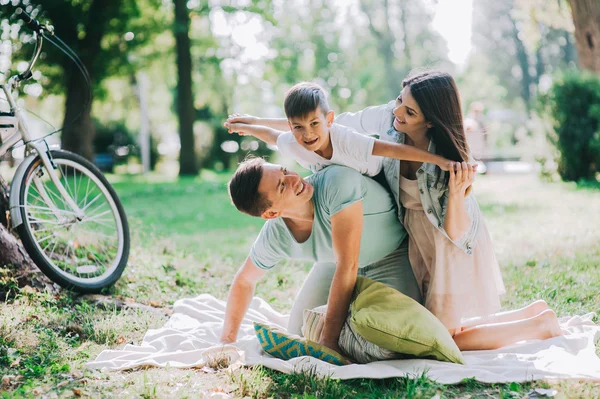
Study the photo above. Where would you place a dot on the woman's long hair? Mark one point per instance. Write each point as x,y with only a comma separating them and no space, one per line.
437,96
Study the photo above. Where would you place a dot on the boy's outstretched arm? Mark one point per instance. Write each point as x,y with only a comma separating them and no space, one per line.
406,152
264,133
274,123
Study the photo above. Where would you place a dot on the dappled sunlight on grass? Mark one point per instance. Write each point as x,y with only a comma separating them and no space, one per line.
187,239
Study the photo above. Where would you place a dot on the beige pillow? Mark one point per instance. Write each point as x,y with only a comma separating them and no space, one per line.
353,345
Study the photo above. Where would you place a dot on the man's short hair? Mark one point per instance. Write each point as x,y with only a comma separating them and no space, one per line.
304,98
243,188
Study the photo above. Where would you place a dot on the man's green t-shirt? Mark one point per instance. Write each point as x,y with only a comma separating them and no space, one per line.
335,188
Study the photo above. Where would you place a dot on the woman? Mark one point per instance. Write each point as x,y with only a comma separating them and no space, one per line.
450,249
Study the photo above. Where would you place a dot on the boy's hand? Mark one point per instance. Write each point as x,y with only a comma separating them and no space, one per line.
242,129
245,118
446,165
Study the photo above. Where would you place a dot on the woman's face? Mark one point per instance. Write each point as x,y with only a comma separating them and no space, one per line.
408,115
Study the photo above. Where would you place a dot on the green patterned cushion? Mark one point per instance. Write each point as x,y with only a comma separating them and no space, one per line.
283,345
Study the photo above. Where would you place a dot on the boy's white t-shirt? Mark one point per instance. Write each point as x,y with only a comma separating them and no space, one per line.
350,149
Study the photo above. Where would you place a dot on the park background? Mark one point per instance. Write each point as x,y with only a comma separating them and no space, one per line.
167,73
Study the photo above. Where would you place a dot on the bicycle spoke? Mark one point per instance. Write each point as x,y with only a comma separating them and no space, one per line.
92,201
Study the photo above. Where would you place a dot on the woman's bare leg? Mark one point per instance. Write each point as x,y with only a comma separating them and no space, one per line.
496,335
526,312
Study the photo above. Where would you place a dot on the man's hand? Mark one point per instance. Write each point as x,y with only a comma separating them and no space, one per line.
331,345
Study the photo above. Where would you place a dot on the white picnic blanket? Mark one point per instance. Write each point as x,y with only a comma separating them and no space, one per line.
190,339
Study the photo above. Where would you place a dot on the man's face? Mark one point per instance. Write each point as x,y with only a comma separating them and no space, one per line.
286,190
312,130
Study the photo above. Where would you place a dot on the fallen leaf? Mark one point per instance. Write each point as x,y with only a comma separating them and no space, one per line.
155,304
62,384
77,391
31,317
28,290
120,340
37,391
15,362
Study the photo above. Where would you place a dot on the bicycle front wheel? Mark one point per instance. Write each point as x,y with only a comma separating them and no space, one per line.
84,252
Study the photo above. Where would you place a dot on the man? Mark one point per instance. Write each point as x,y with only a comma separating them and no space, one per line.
342,220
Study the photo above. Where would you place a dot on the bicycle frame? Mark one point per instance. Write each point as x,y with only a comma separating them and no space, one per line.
40,147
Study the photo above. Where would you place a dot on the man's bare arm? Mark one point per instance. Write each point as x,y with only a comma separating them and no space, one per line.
240,295
346,233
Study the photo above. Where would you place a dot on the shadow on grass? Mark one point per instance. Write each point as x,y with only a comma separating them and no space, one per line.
262,382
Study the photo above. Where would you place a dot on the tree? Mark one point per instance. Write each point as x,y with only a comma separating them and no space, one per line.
586,17
531,37
185,101
397,26
97,30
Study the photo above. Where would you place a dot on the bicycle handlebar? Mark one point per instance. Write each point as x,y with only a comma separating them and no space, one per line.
32,23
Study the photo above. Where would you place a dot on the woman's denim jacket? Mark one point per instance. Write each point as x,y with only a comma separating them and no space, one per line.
434,197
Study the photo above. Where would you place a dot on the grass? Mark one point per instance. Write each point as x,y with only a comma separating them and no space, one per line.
187,239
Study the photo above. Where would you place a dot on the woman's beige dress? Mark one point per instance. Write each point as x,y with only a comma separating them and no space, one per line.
455,285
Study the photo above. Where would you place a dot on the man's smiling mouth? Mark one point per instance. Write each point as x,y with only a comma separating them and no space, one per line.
302,186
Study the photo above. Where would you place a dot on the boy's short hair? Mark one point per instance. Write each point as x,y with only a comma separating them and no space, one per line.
303,98
243,188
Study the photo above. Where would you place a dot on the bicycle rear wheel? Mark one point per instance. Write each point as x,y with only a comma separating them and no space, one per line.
85,253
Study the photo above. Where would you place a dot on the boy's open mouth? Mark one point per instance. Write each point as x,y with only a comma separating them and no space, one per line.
311,142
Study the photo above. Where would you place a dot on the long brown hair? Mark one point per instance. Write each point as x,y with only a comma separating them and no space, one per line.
437,96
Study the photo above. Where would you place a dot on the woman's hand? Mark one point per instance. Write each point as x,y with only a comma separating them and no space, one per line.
462,175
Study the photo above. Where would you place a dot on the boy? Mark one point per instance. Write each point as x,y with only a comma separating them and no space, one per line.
316,142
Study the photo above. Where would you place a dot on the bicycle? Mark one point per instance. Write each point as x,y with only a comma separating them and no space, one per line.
69,218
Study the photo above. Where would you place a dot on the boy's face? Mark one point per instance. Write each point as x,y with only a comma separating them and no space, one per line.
312,130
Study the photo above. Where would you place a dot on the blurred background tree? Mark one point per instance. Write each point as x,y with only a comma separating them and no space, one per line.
206,59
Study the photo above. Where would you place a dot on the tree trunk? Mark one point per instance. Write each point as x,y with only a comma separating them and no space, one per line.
586,18
79,131
15,264
185,102
523,60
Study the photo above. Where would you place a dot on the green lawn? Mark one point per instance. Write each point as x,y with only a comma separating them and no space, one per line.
188,239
